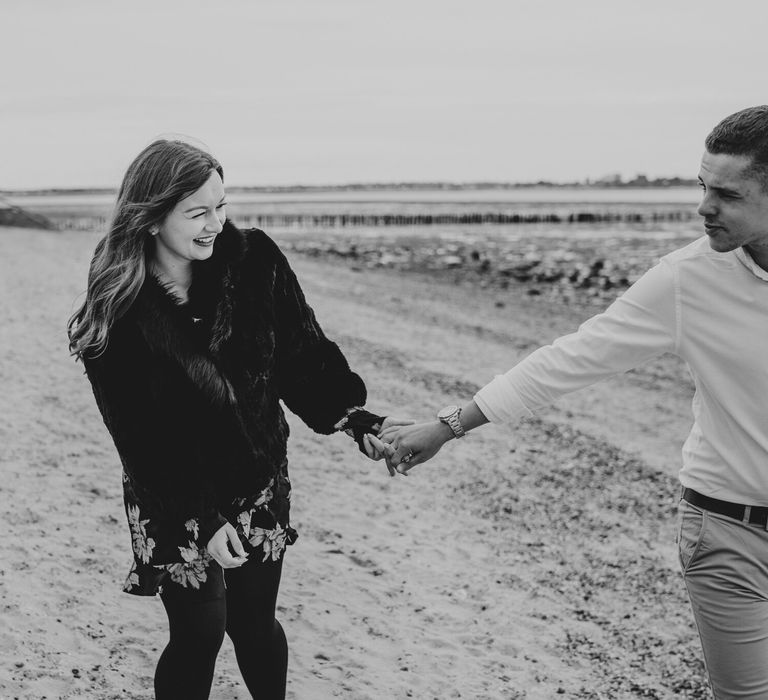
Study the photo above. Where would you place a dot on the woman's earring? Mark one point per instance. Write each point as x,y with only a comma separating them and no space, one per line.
154,231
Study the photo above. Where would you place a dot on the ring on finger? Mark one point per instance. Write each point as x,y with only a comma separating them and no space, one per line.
407,458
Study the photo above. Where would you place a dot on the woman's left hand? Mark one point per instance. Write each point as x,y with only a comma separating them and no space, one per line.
219,547
377,450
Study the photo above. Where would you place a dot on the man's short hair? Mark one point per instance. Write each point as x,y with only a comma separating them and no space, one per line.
744,133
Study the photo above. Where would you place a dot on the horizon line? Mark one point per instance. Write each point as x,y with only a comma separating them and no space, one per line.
605,182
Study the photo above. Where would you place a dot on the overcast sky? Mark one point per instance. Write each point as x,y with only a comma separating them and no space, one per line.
336,91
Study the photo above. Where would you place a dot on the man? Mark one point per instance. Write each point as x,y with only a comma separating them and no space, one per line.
708,303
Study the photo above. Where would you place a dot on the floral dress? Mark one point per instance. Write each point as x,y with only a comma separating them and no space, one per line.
256,520
260,521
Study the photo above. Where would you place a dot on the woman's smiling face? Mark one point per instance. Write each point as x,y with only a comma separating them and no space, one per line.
188,232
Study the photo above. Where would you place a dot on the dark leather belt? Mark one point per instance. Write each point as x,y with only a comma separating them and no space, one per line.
758,515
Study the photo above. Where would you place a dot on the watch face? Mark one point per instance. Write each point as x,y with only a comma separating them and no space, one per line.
447,411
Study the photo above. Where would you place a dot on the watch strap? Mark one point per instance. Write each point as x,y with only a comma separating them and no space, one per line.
454,423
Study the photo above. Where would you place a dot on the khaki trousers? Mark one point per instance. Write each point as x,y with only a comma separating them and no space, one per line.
725,568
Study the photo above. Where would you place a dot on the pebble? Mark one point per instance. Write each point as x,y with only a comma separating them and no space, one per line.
580,270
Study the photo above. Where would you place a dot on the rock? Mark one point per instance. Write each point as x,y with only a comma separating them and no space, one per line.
11,215
451,261
592,271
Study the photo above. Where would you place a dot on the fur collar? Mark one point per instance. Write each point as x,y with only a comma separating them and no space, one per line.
166,325
213,284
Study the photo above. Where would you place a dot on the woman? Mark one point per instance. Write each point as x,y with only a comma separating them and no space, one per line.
191,333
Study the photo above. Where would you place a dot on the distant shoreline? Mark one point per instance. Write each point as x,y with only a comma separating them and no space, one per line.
638,182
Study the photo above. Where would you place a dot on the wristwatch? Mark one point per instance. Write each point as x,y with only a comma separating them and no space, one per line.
450,416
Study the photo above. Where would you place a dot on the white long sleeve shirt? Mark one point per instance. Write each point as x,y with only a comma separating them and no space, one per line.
709,308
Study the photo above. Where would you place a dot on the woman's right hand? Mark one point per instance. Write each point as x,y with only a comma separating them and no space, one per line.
218,547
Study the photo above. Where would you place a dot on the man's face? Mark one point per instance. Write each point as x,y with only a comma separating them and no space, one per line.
734,205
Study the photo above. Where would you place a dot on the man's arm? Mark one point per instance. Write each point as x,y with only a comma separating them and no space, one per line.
639,325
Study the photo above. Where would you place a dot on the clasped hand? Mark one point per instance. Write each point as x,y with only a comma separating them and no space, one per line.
221,546
404,444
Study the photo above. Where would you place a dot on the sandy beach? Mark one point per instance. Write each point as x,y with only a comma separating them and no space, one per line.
533,563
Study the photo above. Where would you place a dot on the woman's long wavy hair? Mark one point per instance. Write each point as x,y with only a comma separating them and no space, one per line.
161,175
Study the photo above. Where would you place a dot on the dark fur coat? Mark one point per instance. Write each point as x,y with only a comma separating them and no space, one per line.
191,396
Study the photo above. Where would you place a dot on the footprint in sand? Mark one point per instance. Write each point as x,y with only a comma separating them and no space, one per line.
365,563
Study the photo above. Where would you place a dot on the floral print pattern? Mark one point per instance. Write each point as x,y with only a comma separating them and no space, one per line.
244,520
266,495
142,545
261,521
272,541
132,581
193,526
192,571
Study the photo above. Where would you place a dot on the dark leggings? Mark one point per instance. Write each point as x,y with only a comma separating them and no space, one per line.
245,610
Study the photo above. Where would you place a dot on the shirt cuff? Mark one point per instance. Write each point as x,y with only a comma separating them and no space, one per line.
499,401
